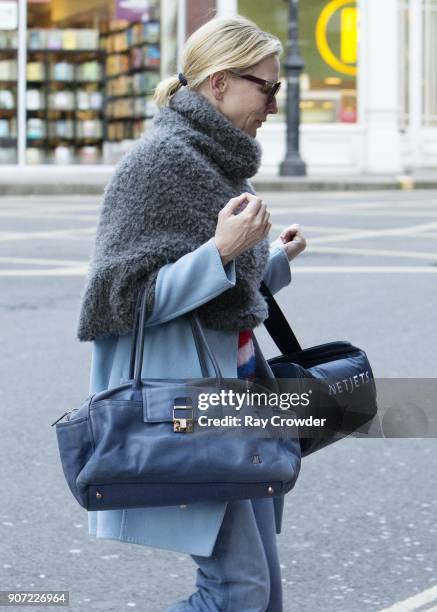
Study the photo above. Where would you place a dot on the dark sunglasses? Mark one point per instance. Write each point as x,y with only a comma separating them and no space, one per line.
269,88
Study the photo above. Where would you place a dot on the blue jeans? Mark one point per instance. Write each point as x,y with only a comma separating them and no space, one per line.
243,572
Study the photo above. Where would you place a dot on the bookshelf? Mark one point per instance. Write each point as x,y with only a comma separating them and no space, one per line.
132,71
89,92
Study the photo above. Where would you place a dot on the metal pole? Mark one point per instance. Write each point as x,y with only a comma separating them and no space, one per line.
293,165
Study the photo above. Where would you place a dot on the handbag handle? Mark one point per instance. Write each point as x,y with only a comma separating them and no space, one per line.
278,326
137,347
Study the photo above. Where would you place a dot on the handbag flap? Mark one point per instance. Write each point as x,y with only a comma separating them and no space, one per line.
160,397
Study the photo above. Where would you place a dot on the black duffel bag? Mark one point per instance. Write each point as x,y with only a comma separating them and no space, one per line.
339,372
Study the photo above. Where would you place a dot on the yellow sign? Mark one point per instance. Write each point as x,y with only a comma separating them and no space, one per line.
348,36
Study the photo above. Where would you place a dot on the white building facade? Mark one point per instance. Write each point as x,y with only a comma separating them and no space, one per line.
381,59
77,79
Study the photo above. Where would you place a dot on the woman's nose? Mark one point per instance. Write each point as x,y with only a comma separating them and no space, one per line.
272,106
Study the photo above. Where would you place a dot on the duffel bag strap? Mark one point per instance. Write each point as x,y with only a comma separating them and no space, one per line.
278,326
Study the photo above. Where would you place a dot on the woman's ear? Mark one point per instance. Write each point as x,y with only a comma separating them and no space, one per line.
218,84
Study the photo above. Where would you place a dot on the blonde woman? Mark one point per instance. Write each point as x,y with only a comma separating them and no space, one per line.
180,215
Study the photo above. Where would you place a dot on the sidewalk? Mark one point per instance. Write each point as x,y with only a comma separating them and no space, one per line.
90,180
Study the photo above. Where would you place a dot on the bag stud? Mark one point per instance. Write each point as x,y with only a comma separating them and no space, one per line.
99,495
270,490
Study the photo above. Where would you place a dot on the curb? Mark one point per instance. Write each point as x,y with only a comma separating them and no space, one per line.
262,184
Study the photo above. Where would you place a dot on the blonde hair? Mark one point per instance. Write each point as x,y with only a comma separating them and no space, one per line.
220,44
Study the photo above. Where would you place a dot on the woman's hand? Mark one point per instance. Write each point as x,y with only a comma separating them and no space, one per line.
238,231
291,240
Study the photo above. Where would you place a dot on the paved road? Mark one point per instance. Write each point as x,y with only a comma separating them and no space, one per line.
360,527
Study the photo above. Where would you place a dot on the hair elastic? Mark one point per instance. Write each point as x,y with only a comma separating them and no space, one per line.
182,79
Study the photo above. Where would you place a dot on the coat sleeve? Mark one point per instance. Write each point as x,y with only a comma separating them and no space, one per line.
277,274
199,276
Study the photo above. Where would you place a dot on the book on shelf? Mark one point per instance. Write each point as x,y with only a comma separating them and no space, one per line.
62,100
8,39
8,70
63,128
7,99
62,71
89,128
89,100
89,154
34,99
89,71
36,128
8,127
36,71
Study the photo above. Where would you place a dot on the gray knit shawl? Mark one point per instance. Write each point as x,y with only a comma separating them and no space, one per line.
161,203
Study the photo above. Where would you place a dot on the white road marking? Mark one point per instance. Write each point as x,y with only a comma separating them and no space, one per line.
374,252
34,214
352,213
375,233
323,229
68,234
49,272
413,603
42,262
364,270
391,205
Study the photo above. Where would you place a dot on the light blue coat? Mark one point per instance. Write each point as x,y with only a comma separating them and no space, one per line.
170,352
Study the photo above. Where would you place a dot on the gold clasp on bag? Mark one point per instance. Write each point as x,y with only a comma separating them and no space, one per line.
183,424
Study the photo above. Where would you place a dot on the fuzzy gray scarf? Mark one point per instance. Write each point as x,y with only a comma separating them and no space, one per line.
161,203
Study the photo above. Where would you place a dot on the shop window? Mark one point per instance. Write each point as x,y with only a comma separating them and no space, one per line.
92,66
8,81
328,41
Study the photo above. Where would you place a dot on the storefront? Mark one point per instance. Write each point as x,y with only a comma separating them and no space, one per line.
368,88
77,79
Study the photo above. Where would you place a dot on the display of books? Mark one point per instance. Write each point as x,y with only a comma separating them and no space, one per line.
116,64
62,100
63,128
67,39
36,71
89,71
8,70
36,39
63,154
34,99
144,107
34,155
4,128
62,71
36,128
79,98
89,100
89,128
89,155
151,56
8,39
7,100
54,39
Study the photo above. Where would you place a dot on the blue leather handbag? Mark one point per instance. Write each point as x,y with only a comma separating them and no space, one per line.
141,444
